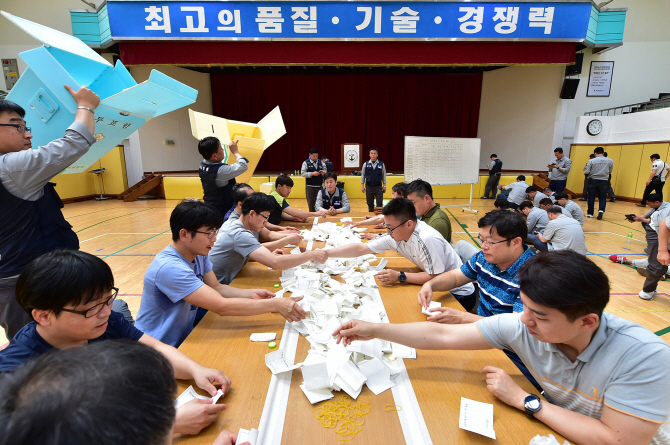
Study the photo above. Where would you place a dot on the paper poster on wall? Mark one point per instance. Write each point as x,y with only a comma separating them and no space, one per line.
600,79
352,155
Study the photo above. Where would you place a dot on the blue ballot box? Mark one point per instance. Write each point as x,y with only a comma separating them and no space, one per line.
65,60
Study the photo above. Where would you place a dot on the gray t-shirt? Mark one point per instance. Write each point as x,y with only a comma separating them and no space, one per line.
565,164
625,366
539,196
517,192
564,233
599,168
658,215
576,212
537,220
231,251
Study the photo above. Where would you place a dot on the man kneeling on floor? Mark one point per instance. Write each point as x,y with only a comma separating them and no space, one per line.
606,379
69,296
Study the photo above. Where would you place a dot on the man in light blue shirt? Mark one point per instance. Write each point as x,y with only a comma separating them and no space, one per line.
180,280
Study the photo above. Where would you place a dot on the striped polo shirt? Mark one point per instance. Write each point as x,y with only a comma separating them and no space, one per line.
498,289
625,367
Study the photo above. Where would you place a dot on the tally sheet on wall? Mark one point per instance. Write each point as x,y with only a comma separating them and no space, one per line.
253,139
65,60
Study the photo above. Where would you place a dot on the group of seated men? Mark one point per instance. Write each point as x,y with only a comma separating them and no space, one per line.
605,379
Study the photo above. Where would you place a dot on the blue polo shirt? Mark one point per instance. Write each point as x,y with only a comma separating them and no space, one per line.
28,343
498,289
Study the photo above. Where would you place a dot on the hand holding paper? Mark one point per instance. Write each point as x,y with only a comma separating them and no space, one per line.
226,437
445,315
425,294
288,309
192,417
205,378
432,305
354,330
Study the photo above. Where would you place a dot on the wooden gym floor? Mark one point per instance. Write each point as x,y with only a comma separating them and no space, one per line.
128,236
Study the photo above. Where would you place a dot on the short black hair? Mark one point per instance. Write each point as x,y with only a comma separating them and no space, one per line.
493,156
547,188
7,106
192,215
283,180
374,149
555,210
525,205
400,188
561,195
313,150
421,188
655,197
69,396
591,156
546,201
605,153
532,188
507,224
61,277
501,203
584,287
324,157
258,202
558,150
655,156
521,178
331,175
208,146
401,209
240,192
599,150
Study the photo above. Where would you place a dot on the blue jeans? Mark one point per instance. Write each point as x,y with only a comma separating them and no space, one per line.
557,186
597,187
535,241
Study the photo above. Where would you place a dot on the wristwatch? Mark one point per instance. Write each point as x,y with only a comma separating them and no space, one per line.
402,277
532,404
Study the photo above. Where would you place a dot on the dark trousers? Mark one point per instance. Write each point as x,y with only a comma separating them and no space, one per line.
657,188
655,270
513,205
524,370
492,186
469,302
585,192
597,187
557,186
12,316
533,239
610,190
372,192
311,193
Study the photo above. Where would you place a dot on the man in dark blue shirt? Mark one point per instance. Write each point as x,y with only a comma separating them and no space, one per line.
69,295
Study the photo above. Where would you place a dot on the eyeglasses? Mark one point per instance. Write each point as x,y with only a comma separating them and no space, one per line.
19,127
95,310
491,243
210,235
390,230
266,217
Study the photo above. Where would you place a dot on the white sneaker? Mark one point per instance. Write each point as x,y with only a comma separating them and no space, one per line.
589,216
647,295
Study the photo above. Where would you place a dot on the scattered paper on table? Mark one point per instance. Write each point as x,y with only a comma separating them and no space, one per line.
377,374
247,436
431,305
296,251
315,376
277,363
477,417
402,351
263,336
317,395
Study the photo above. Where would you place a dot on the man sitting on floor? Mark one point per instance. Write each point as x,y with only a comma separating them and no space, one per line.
332,199
69,296
550,194
238,242
180,280
576,212
283,210
517,191
562,233
546,203
536,221
534,195
421,194
607,378
419,243
69,397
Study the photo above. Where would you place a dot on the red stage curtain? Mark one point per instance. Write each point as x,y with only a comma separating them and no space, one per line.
327,110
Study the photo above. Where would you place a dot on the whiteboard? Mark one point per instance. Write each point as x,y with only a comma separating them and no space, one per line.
442,161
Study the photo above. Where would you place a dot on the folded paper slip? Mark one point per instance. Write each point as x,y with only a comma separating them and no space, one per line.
431,305
190,394
477,417
263,336
250,436
277,363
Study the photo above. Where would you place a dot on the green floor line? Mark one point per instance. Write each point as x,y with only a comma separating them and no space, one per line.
464,227
133,245
97,211
622,225
110,219
662,331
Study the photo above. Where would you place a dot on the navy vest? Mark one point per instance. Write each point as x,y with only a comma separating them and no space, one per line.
496,168
314,180
335,201
219,197
329,166
373,176
29,229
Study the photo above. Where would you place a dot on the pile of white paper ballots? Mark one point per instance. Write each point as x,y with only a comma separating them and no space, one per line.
332,234
329,304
